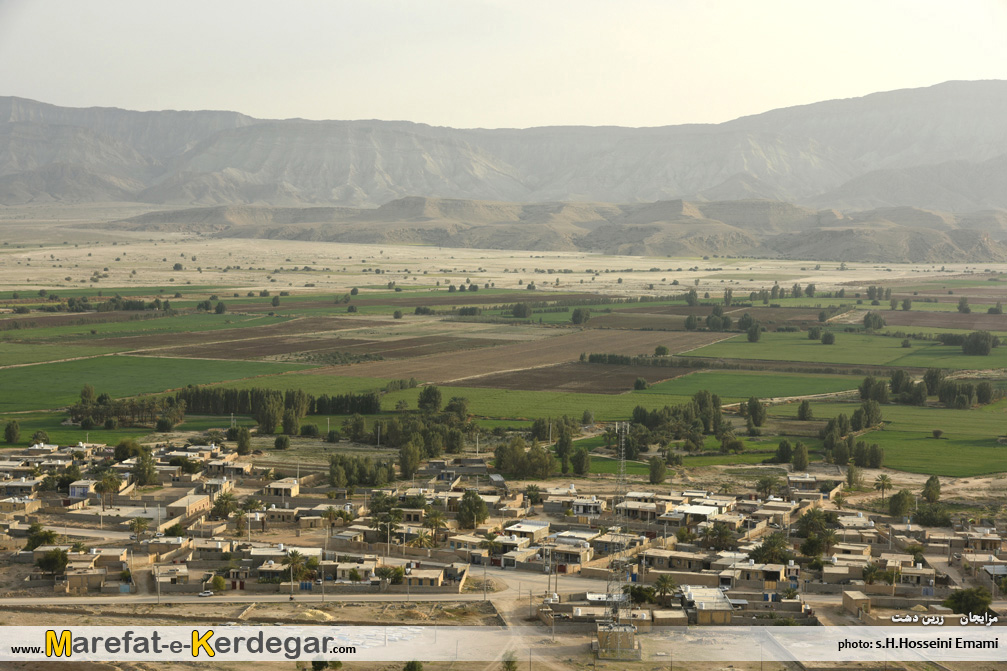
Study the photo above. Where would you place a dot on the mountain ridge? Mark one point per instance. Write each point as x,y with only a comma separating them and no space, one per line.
667,228
847,165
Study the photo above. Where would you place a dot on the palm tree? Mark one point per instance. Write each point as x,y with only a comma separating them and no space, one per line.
828,538
492,544
224,505
296,562
774,550
331,515
435,522
109,483
422,540
812,522
882,483
665,585
251,505
839,500
239,521
871,572
718,536
138,525
726,488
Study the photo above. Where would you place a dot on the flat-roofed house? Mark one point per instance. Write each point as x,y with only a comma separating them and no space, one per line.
190,505
285,487
533,531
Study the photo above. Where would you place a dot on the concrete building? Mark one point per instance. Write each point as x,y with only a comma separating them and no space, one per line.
286,488
190,505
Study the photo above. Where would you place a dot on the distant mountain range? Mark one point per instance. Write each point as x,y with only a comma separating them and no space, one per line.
916,174
665,228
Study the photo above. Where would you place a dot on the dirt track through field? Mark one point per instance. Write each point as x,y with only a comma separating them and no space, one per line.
453,366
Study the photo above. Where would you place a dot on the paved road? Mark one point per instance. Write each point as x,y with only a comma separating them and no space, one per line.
104,534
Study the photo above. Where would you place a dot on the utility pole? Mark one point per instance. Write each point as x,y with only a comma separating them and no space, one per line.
484,578
157,582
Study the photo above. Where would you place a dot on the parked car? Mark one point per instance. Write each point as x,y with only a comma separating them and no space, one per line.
206,593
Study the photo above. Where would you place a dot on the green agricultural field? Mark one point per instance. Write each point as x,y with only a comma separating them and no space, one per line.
610,466
155,325
745,384
967,447
207,422
702,460
52,424
956,456
849,349
54,385
17,353
507,403
313,384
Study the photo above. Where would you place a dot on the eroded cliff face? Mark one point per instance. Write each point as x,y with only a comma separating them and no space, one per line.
905,172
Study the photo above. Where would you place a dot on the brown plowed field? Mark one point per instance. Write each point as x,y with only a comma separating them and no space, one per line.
949,320
639,321
257,348
73,319
575,377
268,328
559,349
672,317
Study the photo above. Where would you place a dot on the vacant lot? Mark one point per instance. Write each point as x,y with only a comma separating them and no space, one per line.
574,377
456,366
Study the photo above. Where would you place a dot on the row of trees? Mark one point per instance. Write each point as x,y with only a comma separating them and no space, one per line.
221,401
101,410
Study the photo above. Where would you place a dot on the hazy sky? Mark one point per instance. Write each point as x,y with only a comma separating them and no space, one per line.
491,63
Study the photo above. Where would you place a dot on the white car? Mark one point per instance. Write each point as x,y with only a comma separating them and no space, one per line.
159,534
206,593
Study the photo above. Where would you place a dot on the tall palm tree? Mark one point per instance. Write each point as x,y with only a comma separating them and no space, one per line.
882,483
422,540
870,573
840,500
251,505
109,484
435,521
224,505
828,538
239,521
491,543
331,514
665,585
138,525
296,562
718,536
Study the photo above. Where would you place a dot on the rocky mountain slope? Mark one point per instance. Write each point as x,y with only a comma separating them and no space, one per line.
943,147
664,228
880,165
